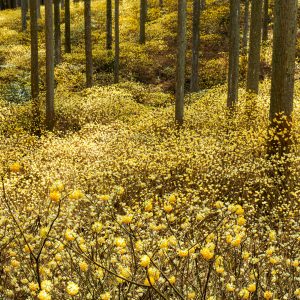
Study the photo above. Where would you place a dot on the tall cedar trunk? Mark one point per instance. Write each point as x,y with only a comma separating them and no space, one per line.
266,21
57,32
88,43
234,45
254,47
38,8
108,24
246,27
195,46
283,70
24,4
143,18
67,27
180,70
49,65
34,69
117,42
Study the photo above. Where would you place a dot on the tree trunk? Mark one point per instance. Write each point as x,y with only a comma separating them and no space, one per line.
143,18
67,27
38,9
36,119
180,70
88,43
245,28
49,65
117,42
24,4
254,47
266,21
234,45
62,4
283,70
195,46
108,24
57,32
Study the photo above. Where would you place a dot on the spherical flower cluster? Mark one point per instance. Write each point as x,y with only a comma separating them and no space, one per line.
72,288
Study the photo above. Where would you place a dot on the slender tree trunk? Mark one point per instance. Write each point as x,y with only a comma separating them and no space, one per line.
246,27
195,46
117,42
283,71
254,47
49,65
24,4
34,69
180,70
108,24
38,9
57,32
62,4
234,45
143,19
265,21
88,43
67,27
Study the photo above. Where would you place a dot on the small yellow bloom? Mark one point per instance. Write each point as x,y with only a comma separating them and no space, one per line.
46,285
168,208
241,221
230,287
33,286
72,288
76,195
150,282
148,206
104,197
15,263
145,261
83,266
206,253
70,235
172,198
43,295
127,219
55,196
239,210
244,294
105,296
251,287
191,295
268,295
120,242
172,279
15,167
164,244
97,227
183,253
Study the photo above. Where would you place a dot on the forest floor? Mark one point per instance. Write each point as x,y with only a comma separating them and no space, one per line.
118,202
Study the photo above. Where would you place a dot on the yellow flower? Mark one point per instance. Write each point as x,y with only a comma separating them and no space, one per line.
148,205
57,186
120,242
139,245
99,274
245,255
230,287
297,293
164,244
105,296
268,295
145,261
270,251
219,204
33,286
97,227
15,263
70,235
272,235
15,167
76,195
244,294
104,197
46,285
150,282
241,221
153,272
127,219
236,241
191,295
239,210
172,279
44,231
168,208
43,295
72,288
207,253
83,266
172,198
183,253
295,263
55,196
251,287
220,270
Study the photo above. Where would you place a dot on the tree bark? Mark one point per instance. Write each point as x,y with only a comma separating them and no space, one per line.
234,44
245,28
117,42
36,120
49,65
143,19
265,21
283,71
254,47
180,70
57,32
24,4
67,27
108,24
195,46
88,43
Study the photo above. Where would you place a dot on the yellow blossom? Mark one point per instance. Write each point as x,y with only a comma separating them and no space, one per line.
251,287
268,295
43,295
33,286
72,288
127,219
70,235
145,261
120,242
183,253
83,266
168,207
76,195
207,253
97,227
55,196
15,167
46,285
105,296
